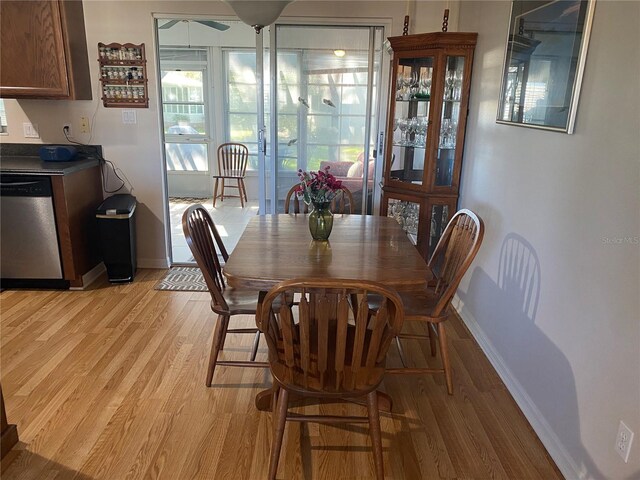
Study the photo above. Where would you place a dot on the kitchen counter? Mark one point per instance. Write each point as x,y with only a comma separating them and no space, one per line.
35,166
25,158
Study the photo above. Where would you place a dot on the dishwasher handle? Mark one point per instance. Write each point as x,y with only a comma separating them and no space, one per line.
25,186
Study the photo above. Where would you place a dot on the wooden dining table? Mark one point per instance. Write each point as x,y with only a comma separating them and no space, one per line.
274,248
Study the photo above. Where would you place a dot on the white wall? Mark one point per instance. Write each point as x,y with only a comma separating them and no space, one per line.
136,150
567,343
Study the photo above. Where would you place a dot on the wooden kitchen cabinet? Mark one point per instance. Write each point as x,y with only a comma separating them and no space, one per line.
76,197
428,107
44,50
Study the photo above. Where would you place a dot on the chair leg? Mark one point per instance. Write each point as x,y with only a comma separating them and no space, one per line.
376,434
222,190
215,192
278,433
401,352
215,348
254,350
432,338
240,193
224,333
244,189
444,352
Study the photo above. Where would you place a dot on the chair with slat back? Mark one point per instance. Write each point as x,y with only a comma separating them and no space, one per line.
341,204
207,248
450,260
326,352
232,165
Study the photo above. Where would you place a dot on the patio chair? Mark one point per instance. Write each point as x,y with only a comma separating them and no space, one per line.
232,165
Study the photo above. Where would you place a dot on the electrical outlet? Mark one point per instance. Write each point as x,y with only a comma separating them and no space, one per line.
66,128
624,439
30,130
84,125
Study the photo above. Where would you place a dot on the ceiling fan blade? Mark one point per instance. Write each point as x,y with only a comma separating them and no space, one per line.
169,24
210,23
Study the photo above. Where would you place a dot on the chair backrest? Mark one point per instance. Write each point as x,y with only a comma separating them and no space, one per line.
232,159
342,203
453,255
326,349
207,248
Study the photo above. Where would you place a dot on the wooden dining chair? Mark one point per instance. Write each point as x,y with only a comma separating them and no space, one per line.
232,165
209,251
342,203
450,260
326,353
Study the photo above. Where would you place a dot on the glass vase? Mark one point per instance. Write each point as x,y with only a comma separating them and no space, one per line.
321,221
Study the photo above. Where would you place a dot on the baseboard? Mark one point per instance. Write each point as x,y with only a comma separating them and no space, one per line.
548,437
153,263
91,276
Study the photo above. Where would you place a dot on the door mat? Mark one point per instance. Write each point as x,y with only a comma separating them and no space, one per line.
187,279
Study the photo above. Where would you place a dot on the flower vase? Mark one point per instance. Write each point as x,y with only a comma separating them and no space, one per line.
321,221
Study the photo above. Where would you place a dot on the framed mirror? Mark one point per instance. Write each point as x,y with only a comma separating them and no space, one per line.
543,64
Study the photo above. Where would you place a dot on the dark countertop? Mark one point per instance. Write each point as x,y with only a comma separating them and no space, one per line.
18,158
35,166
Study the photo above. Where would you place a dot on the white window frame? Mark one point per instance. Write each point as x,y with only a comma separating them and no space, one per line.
201,66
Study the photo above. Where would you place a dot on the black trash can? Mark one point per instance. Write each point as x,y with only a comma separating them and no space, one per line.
117,231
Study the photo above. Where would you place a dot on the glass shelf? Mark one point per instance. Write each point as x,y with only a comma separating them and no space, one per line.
419,147
415,100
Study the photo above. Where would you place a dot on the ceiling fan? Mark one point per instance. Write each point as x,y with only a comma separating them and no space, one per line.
209,23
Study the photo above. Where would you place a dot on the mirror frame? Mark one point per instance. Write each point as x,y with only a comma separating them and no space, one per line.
577,82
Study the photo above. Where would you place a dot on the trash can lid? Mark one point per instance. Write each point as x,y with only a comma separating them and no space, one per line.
120,204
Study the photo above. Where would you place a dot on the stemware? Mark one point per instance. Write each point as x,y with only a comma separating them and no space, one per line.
449,80
399,86
425,84
395,128
457,85
414,84
403,125
412,127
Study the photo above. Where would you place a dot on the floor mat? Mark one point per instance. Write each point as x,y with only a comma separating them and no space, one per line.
188,279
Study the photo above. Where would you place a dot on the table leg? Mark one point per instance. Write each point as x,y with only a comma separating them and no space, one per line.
264,399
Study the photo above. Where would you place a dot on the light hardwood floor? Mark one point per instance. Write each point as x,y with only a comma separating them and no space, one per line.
109,384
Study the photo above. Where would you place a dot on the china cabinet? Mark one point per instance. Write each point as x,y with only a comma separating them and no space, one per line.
44,50
123,75
427,116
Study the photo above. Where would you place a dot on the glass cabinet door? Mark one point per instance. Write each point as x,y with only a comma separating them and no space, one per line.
407,214
412,100
449,122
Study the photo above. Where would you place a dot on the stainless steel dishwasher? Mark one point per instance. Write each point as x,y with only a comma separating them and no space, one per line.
29,247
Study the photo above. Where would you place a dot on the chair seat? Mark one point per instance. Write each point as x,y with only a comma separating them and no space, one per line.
240,302
418,305
234,175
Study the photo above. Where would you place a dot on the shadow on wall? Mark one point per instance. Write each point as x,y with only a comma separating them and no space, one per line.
506,312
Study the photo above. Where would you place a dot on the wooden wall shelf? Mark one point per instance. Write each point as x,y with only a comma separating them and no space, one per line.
123,75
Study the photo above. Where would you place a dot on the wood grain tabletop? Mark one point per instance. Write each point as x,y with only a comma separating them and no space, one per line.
274,248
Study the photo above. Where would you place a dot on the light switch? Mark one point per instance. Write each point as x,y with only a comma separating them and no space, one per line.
129,117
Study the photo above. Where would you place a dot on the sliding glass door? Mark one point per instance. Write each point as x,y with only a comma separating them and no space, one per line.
325,81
